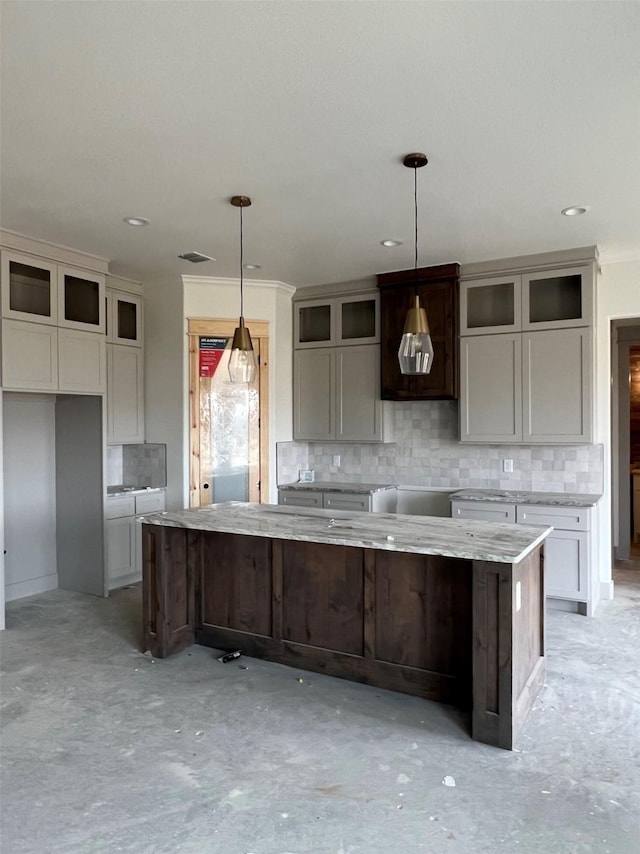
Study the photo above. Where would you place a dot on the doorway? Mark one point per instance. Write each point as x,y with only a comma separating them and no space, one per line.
625,338
228,433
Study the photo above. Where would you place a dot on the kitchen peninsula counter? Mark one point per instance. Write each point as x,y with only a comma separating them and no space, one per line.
446,609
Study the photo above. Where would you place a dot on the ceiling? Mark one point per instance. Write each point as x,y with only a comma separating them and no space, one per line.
166,109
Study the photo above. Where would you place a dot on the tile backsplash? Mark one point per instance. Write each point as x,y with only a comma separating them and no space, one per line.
427,453
137,465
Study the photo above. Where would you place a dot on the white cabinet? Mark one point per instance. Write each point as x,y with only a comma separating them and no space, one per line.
340,320
336,395
41,357
567,550
125,394
532,387
537,299
81,299
124,317
124,534
29,288
382,501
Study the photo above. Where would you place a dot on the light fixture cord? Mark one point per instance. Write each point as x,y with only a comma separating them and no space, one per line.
415,209
241,268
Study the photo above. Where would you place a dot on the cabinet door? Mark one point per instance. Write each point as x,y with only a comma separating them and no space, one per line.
358,404
29,289
484,511
566,565
299,498
81,300
357,319
558,298
314,411
491,388
314,323
82,362
29,356
346,501
121,548
490,305
125,394
124,318
557,377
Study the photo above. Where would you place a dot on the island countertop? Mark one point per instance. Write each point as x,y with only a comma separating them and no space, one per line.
427,535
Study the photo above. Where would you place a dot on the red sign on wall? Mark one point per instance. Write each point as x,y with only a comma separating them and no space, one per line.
211,350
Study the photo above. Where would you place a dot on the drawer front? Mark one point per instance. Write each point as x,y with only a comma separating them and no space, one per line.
484,511
296,498
342,501
563,518
122,505
151,503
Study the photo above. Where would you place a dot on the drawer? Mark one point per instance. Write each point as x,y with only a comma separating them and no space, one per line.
297,498
150,502
342,501
563,518
483,511
122,505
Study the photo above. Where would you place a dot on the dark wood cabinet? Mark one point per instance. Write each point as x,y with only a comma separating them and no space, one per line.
438,289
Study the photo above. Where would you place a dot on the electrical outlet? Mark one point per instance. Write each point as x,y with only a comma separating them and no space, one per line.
507,465
336,459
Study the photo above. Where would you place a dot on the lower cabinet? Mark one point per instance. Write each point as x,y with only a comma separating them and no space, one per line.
567,550
41,357
383,501
124,535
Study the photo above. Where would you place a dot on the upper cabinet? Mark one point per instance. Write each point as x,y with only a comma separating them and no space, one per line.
526,350
543,299
41,291
124,318
334,321
438,290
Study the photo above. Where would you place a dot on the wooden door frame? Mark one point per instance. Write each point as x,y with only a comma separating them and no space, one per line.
224,328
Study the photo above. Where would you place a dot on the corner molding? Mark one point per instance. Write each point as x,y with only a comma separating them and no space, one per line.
261,284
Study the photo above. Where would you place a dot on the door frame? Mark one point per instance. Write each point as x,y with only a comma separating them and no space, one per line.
224,328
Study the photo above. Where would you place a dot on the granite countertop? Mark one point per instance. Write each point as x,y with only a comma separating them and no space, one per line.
551,499
332,486
428,535
113,491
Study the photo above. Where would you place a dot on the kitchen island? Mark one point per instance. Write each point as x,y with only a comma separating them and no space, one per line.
444,609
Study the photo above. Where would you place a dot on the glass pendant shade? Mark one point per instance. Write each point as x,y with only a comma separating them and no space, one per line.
415,353
242,363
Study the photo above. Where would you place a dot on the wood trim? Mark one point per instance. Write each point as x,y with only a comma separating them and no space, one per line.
369,604
225,326
401,278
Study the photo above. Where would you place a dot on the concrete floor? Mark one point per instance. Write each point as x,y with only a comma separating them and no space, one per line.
105,749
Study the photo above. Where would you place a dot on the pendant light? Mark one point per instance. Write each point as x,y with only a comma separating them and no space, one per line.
415,353
242,364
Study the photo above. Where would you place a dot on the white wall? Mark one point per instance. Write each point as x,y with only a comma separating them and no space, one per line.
2,546
271,301
29,494
618,297
165,397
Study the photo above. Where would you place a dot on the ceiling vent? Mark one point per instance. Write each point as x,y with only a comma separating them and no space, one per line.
196,257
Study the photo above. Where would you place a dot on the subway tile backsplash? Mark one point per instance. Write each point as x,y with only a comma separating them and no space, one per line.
137,465
427,453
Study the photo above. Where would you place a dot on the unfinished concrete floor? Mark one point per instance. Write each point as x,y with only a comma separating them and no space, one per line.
106,750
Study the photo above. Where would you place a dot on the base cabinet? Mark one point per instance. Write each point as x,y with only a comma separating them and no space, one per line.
567,550
124,535
383,501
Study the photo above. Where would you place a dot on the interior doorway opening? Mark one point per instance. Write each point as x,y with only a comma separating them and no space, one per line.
229,422
625,433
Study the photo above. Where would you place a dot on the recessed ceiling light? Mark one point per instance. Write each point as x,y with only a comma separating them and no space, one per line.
391,243
252,267
136,220
575,210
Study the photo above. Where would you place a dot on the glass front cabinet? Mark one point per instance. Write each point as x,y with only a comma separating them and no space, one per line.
336,321
551,299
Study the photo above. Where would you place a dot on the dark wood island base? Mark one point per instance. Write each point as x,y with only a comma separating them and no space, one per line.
454,630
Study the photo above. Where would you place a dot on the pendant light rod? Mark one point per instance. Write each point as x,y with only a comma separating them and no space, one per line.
241,202
242,362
